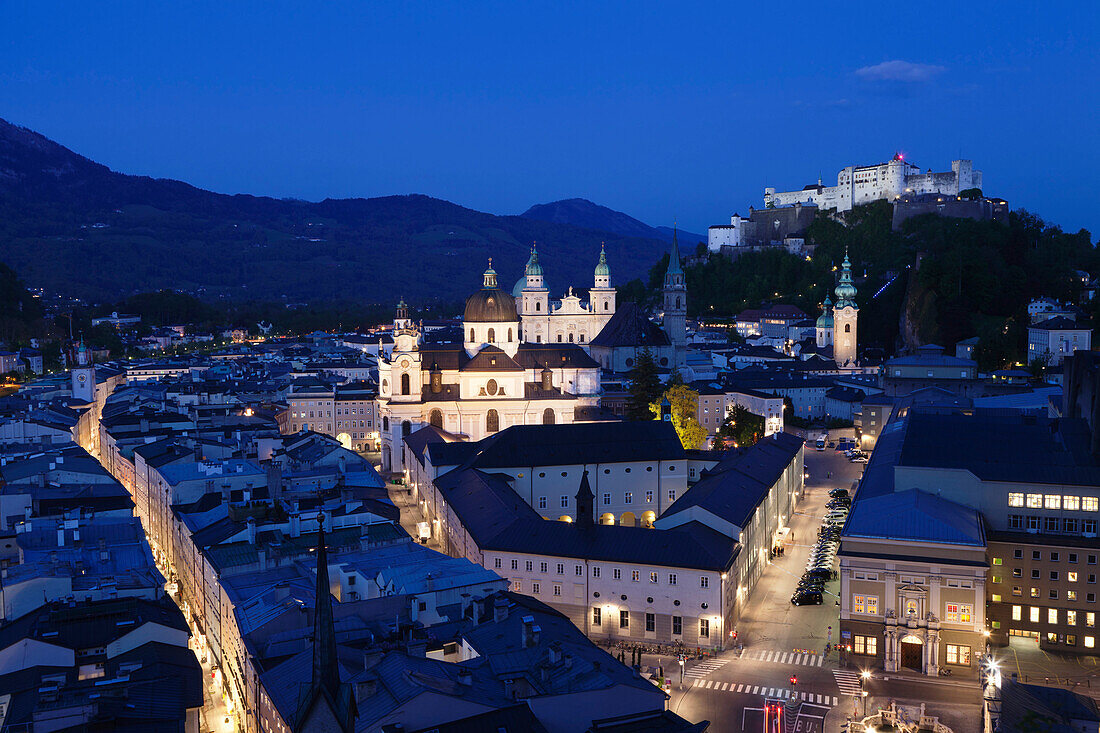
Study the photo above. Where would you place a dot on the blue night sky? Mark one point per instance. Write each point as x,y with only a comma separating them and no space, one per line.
662,110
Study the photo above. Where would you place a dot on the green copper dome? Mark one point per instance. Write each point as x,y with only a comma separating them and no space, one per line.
533,266
825,320
845,290
602,269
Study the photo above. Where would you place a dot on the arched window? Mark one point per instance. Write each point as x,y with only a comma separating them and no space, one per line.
385,385
491,386
509,335
385,423
538,306
606,305
406,428
582,338
472,337
559,338
492,336
548,416
847,328
405,384
492,421
435,418
570,337
677,301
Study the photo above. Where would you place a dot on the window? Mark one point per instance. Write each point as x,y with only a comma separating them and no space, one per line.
1088,526
515,565
529,565
650,622
597,616
996,597
1033,523
865,645
1071,503
542,502
492,421
1053,594
704,628
595,571
1034,592
517,586
535,588
672,578
1090,619
617,574
1033,614
960,613
578,570
1054,575
1071,595
704,581
628,498
1017,590
672,494
1071,618
606,499
1090,503
561,569
565,502
872,604
1035,573
998,561
624,619
1051,524
497,563
1070,525
405,388
1053,501
557,590
542,567
1015,499
1090,642
1092,559
635,575
859,604
1017,612
677,625
1052,615
958,654
997,579
1034,501
492,335
548,416
649,497
653,577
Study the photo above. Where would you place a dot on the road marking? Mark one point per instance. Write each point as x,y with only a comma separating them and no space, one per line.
698,683
709,683
820,660
725,686
740,687
847,681
786,657
755,689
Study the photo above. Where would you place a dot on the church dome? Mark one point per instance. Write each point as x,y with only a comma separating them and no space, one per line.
602,269
825,320
845,291
490,304
517,291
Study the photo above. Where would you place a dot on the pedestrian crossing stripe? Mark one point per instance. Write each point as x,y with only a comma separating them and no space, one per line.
704,668
780,693
847,681
777,657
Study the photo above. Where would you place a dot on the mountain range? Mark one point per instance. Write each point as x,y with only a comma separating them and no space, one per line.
73,226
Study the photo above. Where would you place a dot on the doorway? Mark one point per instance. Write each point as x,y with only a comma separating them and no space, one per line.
911,648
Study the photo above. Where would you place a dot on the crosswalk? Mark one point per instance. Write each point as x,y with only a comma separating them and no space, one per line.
847,681
704,668
774,693
776,657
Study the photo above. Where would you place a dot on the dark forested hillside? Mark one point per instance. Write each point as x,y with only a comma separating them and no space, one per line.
72,225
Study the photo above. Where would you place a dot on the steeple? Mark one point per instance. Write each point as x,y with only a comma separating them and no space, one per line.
674,267
325,689
585,501
603,270
845,290
674,322
326,673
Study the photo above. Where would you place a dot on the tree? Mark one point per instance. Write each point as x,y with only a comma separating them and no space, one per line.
645,386
740,429
683,401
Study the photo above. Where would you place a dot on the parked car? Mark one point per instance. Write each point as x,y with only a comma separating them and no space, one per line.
838,493
808,598
860,459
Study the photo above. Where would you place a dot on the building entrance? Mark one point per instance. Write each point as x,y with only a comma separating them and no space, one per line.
911,648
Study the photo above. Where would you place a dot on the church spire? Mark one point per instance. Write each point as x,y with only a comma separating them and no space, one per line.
585,503
326,673
674,267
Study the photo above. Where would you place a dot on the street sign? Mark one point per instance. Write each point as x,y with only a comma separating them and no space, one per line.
846,634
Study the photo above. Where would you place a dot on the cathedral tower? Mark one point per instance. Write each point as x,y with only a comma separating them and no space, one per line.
845,317
675,304
602,295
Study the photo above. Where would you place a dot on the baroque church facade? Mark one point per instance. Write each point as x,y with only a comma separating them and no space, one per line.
523,359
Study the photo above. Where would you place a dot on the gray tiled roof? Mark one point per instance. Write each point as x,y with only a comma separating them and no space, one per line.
915,516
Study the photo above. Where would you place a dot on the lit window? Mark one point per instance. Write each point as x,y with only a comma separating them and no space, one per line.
1033,612
653,577
704,581
1090,504
1015,499
1017,612
1090,642
1035,501
1071,577
1071,503
629,498
958,654
1071,618
635,575
858,604
1053,501
1052,615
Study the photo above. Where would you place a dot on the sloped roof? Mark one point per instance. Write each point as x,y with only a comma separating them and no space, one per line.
1059,323
915,516
630,327
578,443
491,359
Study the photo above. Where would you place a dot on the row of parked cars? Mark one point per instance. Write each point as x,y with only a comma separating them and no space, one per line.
819,567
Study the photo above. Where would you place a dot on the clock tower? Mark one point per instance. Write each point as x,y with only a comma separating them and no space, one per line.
845,318
83,375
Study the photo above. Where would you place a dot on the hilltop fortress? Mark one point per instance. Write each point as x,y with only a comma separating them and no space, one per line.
866,183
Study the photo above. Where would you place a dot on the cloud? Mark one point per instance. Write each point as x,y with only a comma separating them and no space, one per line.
900,71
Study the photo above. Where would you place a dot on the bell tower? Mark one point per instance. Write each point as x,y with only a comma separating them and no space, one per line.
83,375
675,304
602,295
845,318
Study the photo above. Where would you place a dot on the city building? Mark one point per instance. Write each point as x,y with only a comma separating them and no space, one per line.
1051,340
888,181
569,320
483,383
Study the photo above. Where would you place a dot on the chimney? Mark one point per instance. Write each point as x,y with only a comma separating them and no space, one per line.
60,534
555,652
295,523
500,610
526,631
429,582
251,525
261,556
342,465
